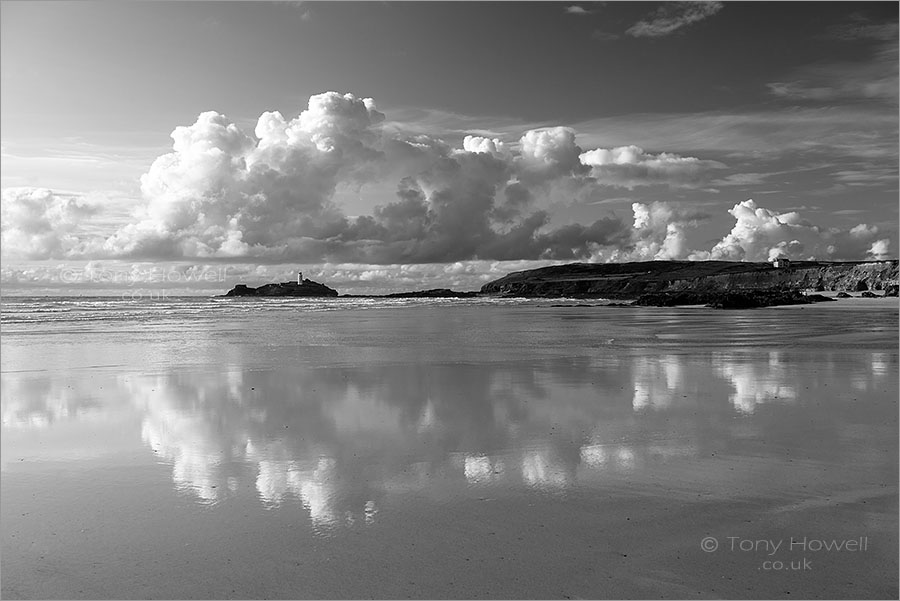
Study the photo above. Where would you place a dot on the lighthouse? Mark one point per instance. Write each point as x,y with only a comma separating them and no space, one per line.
299,277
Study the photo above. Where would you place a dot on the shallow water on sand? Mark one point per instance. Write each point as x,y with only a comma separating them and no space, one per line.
452,449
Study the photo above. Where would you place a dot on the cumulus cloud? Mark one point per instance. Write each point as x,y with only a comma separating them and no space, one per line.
38,223
549,153
879,249
672,16
659,232
225,195
630,166
480,144
760,234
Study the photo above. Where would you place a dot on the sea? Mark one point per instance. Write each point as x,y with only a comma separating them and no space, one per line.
209,447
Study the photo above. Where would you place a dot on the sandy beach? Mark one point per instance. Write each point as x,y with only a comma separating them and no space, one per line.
440,452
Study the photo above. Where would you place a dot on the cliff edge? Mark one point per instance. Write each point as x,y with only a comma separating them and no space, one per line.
633,280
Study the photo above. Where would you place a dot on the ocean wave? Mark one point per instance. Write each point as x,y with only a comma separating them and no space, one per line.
33,310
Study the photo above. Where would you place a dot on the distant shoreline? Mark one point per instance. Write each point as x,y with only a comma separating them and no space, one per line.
717,284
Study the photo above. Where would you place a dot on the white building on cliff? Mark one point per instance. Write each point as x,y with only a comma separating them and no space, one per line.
781,262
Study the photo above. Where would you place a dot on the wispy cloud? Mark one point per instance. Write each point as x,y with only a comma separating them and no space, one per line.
841,83
211,24
860,132
874,78
741,179
577,10
604,36
866,177
451,125
860,27
671,17
75,164
613,200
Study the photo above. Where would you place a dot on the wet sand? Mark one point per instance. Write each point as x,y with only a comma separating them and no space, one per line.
456,452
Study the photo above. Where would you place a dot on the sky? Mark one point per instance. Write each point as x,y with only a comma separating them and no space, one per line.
386,146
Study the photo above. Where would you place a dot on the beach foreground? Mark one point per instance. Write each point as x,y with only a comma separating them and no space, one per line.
453,449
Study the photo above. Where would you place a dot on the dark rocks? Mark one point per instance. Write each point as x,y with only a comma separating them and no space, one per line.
843,295
737,299
765,298
754,299
868,294
565,305
817,298
307,288
891,290
433,293
861,285
241,290
673,299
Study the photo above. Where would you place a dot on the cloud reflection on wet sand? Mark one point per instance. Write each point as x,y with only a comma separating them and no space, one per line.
338,441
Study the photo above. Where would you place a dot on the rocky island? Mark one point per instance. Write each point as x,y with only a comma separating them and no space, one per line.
300,288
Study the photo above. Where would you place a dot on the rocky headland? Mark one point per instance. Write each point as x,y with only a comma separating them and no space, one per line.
721,284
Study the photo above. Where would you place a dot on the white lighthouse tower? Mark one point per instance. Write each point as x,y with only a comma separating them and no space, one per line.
299,277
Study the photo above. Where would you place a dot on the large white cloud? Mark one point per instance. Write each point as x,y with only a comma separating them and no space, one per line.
659,232
480,144
37,223
223,194
760,234
549,152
